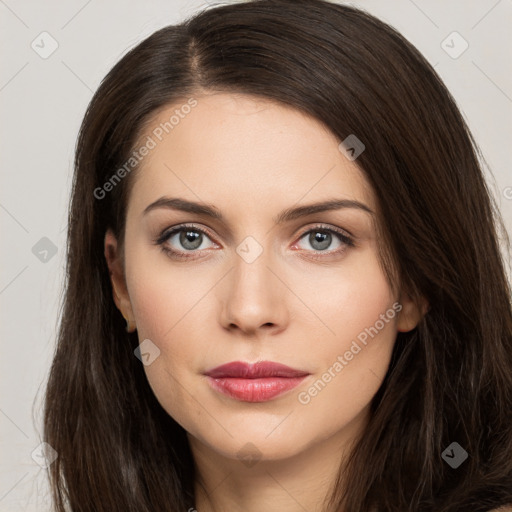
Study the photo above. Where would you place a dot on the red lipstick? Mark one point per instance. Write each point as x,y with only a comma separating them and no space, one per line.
258,382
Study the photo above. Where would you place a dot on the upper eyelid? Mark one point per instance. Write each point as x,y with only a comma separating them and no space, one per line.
166,233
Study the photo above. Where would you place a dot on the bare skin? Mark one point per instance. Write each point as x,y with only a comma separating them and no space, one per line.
252,159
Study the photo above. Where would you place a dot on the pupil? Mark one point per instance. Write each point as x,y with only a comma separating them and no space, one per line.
189,239
323,239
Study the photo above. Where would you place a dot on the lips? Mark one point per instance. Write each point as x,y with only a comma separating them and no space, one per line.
258,382
254,371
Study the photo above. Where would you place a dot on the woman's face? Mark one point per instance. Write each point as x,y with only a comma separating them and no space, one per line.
255,282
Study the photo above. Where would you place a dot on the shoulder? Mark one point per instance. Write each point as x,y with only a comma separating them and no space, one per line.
504,508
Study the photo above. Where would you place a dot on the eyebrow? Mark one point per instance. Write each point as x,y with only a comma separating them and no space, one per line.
208,210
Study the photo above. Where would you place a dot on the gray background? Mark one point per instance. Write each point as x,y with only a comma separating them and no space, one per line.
42,102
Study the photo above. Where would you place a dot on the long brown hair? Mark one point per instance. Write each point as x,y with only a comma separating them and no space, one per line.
449,380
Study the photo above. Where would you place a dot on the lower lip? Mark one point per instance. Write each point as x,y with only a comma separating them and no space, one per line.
254,390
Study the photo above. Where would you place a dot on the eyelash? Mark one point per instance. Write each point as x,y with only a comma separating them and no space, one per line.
166,234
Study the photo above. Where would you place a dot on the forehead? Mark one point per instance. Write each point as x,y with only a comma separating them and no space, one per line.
243,151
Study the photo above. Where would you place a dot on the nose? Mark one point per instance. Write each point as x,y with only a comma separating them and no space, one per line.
254,297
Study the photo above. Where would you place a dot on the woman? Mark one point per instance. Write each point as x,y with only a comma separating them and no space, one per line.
285,205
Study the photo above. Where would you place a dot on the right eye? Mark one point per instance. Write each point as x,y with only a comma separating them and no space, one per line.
189,237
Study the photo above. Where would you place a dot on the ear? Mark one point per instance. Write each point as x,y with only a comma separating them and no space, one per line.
117,278
411,312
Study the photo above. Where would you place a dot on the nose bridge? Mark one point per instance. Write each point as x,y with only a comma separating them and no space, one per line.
254,251
251,274
254,296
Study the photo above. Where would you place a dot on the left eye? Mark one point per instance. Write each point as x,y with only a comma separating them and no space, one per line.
320,239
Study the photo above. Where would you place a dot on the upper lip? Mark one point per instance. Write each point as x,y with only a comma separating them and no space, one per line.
260,369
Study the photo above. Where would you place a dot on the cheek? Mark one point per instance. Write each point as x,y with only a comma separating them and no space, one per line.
165,295
352,302
167,302
164,316
352,360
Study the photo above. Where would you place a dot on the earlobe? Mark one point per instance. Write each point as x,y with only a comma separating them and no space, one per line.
117,278
411,313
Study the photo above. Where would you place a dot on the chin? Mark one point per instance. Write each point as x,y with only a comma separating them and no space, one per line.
251,446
